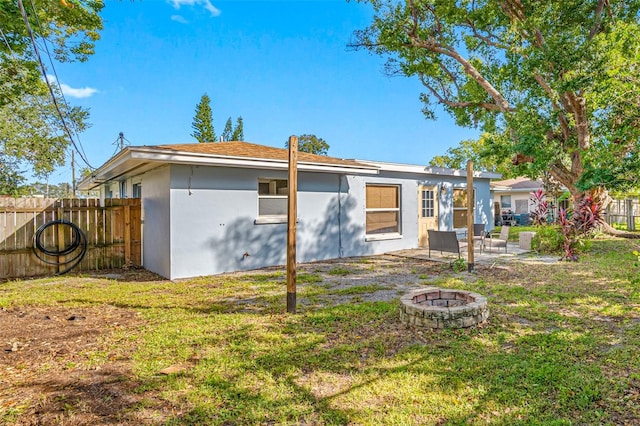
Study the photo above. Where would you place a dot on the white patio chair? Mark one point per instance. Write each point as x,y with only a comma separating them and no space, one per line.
499,240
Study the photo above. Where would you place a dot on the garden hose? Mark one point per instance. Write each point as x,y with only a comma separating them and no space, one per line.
77,245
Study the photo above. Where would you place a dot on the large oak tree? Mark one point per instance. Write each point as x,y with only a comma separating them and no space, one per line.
557,82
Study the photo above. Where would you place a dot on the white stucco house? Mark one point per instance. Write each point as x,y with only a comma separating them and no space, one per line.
514,195
218,207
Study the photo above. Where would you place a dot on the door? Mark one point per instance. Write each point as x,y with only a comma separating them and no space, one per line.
427,212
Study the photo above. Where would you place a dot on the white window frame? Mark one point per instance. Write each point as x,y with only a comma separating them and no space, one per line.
385,235
274,218
464,208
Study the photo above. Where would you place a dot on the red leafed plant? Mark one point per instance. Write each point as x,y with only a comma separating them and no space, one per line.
578,224
540,207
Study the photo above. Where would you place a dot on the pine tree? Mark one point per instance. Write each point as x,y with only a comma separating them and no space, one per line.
202,124
228,131
238,132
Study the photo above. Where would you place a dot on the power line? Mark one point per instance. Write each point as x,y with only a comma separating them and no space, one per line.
55,73
37,99
44,73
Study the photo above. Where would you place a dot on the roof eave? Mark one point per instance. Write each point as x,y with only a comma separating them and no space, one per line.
142,155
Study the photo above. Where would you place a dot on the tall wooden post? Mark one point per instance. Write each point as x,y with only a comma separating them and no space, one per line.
470,216
292,214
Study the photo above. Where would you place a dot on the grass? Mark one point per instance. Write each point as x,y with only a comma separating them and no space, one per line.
562,346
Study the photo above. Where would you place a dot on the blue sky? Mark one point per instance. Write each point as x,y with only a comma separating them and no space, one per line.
281,65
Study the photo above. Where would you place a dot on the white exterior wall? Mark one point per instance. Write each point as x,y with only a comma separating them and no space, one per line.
522,196
214,209
156,225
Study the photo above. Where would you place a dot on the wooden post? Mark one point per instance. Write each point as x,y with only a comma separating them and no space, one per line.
470,215
292,214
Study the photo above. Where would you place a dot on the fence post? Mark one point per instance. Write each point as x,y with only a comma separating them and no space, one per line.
631,223
127,234
60,230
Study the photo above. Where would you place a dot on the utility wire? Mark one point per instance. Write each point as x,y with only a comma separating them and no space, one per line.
55,73
44,73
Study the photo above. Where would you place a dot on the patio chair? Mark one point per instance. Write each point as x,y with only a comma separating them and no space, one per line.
499,240
479,235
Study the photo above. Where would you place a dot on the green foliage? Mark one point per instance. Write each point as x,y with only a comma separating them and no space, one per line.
311,144
71,30
548,239
228,130
459,265
482,152
636,253
202,124
32,137
238,132
555,82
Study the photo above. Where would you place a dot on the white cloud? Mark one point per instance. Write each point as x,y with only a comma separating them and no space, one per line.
83,92
204,3
179,19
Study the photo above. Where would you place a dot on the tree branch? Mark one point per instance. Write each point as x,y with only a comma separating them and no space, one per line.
564,125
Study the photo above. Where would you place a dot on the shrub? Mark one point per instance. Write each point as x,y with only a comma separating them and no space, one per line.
579,224
548,239
459,265
540,207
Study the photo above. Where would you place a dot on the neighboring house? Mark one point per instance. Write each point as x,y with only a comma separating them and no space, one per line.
218,207
514,195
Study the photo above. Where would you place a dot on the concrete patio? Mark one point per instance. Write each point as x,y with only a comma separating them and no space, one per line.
496,256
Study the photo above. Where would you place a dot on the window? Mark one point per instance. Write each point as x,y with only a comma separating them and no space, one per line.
382,209
460,207
272,197
522,206
123,189
505,201
137,190
428,203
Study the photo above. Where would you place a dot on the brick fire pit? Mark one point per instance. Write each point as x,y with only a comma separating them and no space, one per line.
433,307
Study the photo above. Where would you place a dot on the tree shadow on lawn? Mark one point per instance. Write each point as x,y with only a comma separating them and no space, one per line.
343,368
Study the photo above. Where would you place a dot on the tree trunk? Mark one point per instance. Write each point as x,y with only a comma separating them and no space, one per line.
610,230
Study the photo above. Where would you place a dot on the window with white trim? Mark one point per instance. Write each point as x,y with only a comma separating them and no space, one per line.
382,209
272,197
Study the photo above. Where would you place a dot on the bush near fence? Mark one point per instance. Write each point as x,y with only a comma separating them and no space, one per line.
113,231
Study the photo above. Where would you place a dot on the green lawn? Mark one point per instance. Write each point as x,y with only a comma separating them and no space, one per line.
562,346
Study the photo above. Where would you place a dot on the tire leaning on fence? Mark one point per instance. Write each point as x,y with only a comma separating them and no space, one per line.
76,248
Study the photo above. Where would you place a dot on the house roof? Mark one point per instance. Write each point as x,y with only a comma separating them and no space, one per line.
519,184
252,150
135,160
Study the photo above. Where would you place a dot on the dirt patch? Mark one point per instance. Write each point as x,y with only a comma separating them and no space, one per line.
61,365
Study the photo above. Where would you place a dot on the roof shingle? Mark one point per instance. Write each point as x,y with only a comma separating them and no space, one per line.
251,150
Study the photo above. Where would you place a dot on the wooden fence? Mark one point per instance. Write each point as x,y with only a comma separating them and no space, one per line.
625,211
113,232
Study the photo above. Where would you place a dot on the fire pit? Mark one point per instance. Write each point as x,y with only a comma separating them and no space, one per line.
433,307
